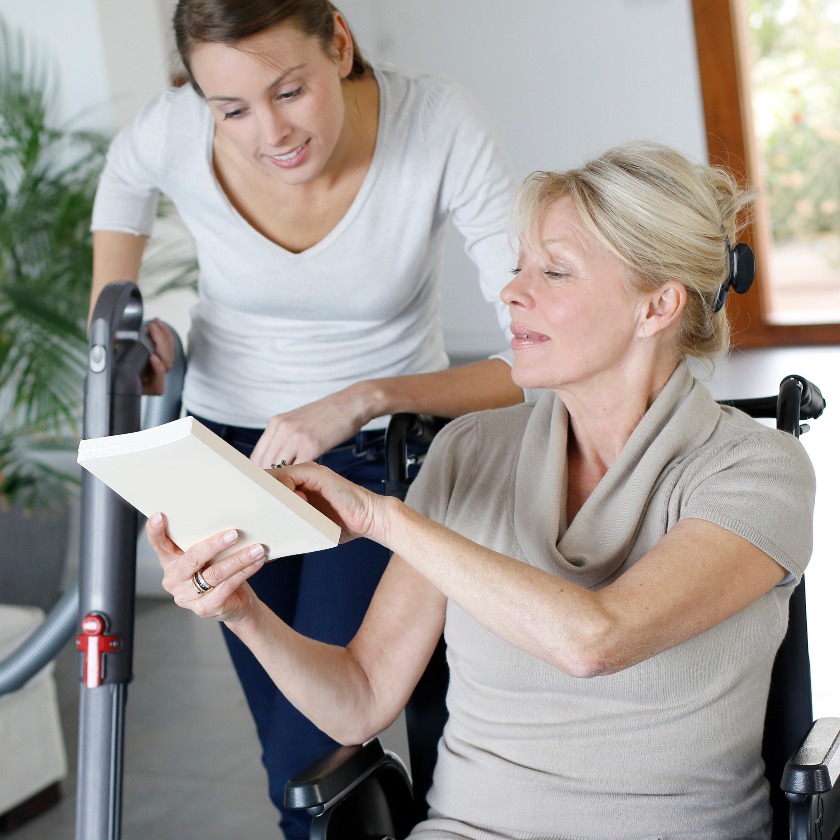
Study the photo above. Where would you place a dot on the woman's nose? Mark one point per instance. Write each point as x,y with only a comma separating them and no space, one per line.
274,128
516,293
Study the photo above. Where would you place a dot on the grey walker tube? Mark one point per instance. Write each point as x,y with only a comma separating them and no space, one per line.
43,645
58,626
118,352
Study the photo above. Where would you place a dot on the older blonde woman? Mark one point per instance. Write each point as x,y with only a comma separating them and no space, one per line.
611,565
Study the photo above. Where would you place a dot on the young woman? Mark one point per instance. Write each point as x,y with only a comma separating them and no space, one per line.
317,188
611,565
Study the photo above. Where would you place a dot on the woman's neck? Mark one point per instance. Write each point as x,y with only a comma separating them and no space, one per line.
601,421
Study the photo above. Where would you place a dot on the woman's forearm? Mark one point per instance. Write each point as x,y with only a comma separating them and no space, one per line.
324,682
550,618
116,257
679,589
446,393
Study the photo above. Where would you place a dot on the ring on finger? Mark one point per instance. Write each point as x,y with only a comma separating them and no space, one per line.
280,466
199,584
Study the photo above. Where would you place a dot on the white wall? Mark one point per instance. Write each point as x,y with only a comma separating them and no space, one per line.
136,48
68,34
561,79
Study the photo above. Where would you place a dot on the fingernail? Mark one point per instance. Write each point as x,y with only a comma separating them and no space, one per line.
256,551
156,519
230,536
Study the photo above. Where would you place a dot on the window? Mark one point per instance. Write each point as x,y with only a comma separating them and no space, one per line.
723,48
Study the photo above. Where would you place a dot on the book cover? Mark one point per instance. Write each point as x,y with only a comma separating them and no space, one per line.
203,486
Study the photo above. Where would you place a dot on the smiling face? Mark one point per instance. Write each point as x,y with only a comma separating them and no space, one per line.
277,99
574,314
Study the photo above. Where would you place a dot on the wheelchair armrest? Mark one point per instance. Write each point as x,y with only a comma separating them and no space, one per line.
815,766
336,774
809,782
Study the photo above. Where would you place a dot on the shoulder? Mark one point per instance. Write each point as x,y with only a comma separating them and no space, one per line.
171,119
742,439
436,95
177,110
169,105
486,430
468,451
755,481
167,137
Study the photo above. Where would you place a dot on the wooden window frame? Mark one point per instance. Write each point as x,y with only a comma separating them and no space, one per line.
721,37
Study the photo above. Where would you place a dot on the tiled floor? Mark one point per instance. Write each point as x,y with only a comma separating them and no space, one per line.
180,785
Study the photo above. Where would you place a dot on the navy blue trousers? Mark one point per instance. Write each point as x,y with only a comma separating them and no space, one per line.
323,595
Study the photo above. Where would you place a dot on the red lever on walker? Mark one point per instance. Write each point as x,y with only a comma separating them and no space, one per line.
94,645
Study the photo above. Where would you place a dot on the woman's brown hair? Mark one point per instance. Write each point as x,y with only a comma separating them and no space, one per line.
228,21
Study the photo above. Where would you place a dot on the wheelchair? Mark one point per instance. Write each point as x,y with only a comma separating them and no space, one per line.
364,791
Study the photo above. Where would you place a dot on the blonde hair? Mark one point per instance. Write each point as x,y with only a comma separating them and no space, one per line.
665,217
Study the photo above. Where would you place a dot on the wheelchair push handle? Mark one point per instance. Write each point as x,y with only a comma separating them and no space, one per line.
798,400
811,400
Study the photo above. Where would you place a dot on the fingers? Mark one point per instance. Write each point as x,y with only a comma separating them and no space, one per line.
154,377
158,538
211,591
348,505
307,432
247,560
164,342
282,443
161,361
197,580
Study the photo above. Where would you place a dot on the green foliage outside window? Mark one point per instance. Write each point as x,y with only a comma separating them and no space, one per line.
795,71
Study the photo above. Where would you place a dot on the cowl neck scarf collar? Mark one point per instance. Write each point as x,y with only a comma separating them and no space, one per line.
602,534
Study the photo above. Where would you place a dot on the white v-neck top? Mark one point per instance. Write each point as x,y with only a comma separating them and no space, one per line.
273,330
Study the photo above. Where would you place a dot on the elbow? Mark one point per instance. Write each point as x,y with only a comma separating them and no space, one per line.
593,651
359,732
350,736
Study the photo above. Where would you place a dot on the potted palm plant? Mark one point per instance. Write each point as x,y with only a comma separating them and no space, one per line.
47,183
48,177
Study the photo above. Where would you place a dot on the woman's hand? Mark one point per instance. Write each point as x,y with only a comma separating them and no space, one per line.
313,429
359,512
161,361
228,597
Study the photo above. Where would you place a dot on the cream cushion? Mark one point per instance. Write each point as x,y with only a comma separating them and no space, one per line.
32,741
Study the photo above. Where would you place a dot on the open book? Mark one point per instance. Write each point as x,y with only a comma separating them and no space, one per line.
203,486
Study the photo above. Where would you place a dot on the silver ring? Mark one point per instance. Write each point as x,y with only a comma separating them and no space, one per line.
279,466
199,584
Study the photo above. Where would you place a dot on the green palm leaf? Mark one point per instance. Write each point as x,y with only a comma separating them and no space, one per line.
47,183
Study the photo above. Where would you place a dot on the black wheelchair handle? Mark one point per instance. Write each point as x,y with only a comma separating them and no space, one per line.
811,401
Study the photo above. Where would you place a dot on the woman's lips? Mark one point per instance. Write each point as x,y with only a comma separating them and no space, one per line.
526,337
290,159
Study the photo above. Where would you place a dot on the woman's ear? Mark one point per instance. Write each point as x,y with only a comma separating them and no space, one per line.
664,308
342,45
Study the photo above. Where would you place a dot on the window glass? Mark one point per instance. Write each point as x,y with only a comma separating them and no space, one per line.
795,79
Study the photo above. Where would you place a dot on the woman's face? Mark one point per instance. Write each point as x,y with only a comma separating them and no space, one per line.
277,98
574,314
